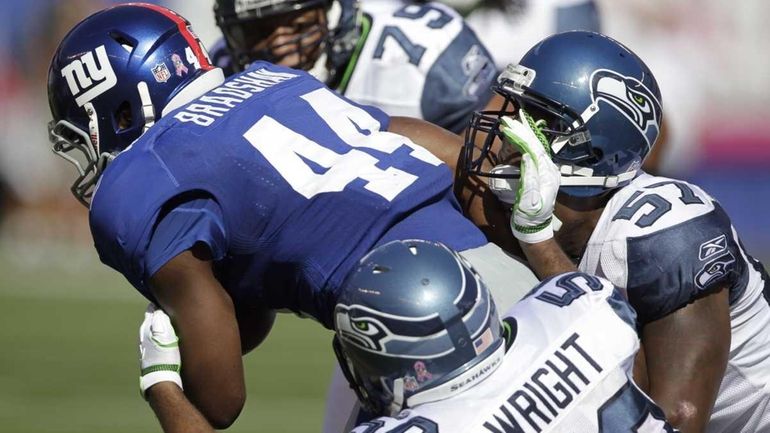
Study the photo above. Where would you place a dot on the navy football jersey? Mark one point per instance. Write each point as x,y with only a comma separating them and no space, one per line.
288,183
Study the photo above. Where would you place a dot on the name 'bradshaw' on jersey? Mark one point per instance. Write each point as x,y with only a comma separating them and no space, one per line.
288,184
655,219
568,369
418,60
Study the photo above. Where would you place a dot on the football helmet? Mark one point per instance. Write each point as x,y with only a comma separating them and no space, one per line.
599,103
414,323
111,77
241,21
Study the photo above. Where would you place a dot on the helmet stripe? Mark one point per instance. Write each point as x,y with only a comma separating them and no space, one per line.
184,29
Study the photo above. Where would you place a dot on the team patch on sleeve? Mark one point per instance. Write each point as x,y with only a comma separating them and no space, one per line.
458,83
670,268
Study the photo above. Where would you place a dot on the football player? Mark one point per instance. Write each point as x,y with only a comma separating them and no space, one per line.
406,58
224,201
588,112
419,338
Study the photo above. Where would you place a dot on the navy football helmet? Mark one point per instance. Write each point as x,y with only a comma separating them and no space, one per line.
111,77
414,323
600,104
245,23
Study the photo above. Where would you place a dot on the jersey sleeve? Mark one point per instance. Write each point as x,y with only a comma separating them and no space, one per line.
185,224
670,268
137,240
458,83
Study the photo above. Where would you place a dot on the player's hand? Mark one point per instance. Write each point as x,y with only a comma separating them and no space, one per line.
159,357
532,219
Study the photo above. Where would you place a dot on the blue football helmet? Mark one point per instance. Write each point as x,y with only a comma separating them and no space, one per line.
600,103
244,23
111,77
414,323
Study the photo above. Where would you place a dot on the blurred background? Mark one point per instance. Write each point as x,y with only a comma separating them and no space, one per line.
68,325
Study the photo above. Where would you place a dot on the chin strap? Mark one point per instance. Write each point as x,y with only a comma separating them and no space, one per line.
93,128
398,397
572,175
148,111
578,137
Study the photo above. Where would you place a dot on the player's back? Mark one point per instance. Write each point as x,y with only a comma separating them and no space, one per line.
567,369
306,181
667,242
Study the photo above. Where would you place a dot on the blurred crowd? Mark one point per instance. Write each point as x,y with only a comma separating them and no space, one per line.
708,57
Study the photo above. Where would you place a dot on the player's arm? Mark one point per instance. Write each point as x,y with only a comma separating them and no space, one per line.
175,413
686,353
204,317
479,204
159,380
546,258
680,290
532,220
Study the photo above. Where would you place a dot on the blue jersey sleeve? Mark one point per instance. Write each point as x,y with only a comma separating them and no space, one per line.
670,268
185,224
458,83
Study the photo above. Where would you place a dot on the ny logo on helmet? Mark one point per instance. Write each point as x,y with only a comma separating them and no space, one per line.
629,96
90,81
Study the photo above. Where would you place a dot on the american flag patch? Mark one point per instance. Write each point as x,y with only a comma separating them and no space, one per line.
483,342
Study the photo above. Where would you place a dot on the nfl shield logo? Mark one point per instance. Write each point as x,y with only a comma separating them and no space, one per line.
161,73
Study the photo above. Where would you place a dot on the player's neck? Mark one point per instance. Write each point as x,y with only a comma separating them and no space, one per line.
579,217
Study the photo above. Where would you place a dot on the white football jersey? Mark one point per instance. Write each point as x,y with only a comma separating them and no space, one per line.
413,59
510,33
665,241
568,369
420,60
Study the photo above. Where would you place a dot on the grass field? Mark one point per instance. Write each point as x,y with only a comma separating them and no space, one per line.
69,357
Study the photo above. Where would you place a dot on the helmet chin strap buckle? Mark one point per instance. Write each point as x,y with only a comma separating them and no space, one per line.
93,126
398,397
611,181
148,111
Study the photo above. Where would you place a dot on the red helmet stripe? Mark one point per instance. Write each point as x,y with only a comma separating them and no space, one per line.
184,29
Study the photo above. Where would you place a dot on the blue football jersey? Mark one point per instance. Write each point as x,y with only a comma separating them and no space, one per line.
298,184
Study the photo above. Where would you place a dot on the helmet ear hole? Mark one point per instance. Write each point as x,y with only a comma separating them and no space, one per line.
123,40
123,119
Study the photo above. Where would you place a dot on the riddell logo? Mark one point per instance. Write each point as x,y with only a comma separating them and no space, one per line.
89,77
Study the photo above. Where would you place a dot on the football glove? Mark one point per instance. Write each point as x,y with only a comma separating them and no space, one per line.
159,356
532,219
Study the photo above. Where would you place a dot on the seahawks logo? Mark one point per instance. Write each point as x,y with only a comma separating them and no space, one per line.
366,332
715,270
632,98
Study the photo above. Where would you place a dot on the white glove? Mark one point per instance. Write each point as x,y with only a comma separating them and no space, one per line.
504,189
532,219
158,350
